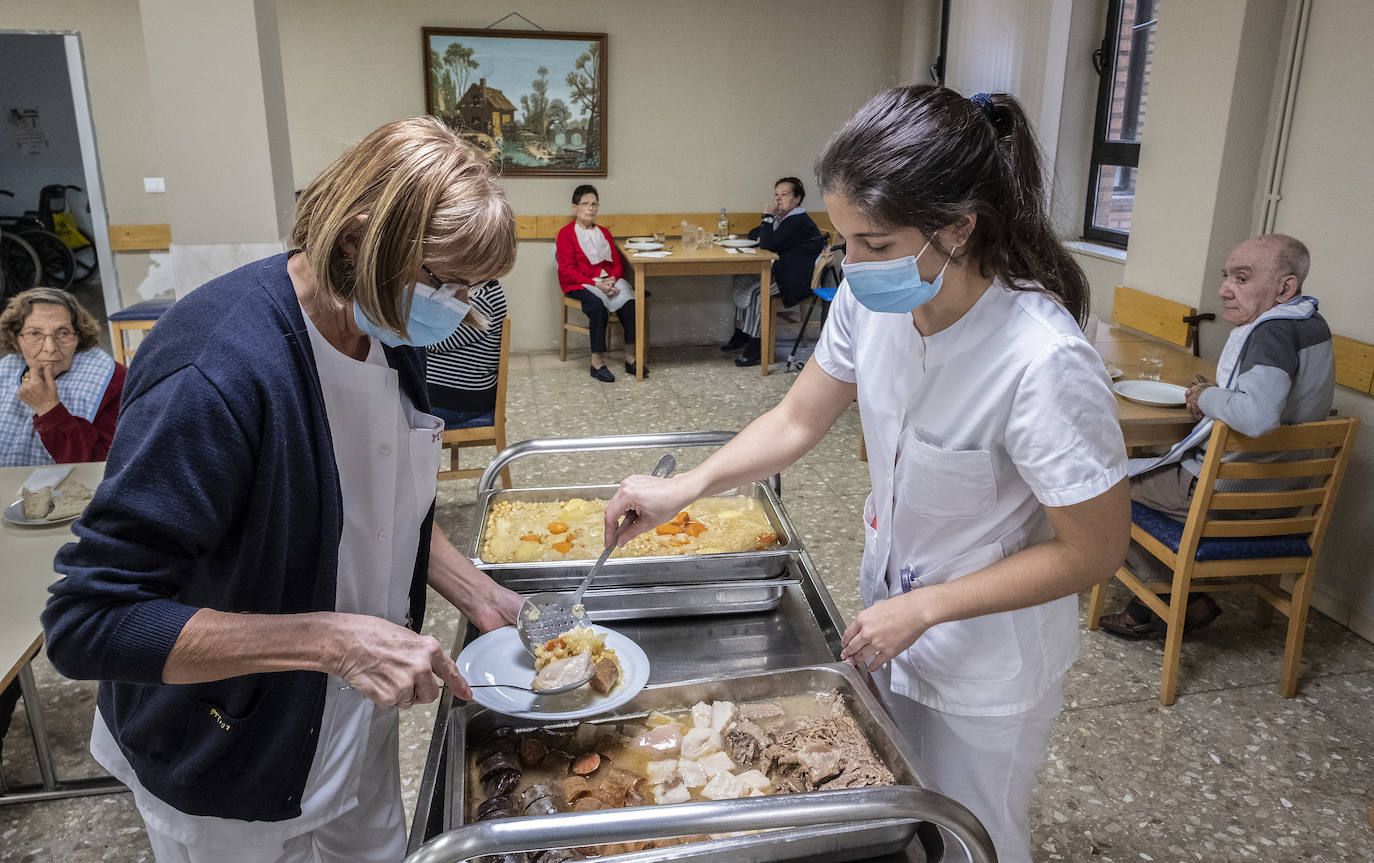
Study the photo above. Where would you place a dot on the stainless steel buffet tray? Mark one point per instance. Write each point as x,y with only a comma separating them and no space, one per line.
676,600
838,825
663,569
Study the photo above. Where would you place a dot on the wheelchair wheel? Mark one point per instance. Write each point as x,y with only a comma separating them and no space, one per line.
20,263
58,265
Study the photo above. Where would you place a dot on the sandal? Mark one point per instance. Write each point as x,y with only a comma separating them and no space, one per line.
1137,621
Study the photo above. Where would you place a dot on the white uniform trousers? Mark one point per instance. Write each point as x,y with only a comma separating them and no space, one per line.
987,763
371,832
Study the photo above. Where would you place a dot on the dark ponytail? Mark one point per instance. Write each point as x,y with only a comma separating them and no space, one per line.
924,156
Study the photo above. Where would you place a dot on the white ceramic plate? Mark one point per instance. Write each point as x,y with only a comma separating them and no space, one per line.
499,657
737,244
1114,371
1153,393
640,240
14,514
643,245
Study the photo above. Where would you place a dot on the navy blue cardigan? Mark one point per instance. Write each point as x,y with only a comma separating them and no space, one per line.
797,242
221,492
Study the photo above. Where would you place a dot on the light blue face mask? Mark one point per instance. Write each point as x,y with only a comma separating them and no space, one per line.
432,319
892,286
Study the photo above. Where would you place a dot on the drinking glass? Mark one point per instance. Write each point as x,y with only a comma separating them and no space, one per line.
659,236
1150,366
689,239
701,238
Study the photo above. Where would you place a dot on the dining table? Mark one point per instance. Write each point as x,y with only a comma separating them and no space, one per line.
1122,349
711,260
28,552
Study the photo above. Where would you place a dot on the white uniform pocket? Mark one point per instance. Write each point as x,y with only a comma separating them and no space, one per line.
426,447
979,650
935,482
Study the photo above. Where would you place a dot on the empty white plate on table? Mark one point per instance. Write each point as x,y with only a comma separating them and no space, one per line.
1153,393
500,657
737,244
640,240
643,245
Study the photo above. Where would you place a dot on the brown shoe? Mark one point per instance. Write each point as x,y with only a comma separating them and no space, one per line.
1201,611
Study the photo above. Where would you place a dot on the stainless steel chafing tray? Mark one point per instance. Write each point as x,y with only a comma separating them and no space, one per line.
836,825
638,571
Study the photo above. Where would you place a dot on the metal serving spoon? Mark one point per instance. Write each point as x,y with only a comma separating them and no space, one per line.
549,614
569,687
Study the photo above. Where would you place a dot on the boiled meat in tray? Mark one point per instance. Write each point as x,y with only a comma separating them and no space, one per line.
711,751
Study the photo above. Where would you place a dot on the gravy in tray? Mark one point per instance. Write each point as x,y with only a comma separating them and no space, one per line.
711,751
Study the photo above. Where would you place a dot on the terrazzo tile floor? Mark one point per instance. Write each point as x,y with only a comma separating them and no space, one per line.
1229,772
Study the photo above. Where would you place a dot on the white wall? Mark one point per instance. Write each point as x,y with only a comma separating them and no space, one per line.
709,103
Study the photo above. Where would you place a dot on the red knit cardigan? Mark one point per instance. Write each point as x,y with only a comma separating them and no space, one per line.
574,270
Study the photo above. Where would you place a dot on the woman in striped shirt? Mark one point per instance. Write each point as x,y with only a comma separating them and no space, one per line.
462,369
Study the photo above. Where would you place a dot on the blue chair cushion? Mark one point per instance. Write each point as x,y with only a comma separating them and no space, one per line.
148,310
827,294
1170,532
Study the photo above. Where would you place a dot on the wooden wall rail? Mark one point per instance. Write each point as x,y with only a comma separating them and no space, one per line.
636,224
140,238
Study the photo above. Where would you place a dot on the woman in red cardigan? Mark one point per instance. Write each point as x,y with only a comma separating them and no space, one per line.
590,270
59,392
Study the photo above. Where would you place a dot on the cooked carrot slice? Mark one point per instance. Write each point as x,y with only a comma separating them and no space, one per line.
667,529
766,538
694,528
563,547
681,518
557,527
529,537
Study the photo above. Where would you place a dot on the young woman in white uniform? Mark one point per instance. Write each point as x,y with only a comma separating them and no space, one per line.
995,456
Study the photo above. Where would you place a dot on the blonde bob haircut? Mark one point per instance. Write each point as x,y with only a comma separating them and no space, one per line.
425,196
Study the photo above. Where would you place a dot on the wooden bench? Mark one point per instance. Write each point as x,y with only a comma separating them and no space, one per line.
1164,319
645,224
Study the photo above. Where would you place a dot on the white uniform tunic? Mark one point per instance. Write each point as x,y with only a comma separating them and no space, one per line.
387,455
970,433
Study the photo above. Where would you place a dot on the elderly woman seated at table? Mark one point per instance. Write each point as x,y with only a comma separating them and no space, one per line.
590,270
59,392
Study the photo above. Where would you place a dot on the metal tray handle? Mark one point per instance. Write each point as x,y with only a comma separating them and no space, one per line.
602,444
599,827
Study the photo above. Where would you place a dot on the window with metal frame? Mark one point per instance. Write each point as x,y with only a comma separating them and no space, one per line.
1123,64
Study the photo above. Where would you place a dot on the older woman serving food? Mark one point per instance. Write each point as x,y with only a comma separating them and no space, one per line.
250,578
59,392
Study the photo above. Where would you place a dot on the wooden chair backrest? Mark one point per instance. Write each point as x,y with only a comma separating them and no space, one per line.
1322,451
822,261
1354,363
1156,316
498,426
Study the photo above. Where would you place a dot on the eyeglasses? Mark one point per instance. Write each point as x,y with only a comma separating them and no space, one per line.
36,338
458,289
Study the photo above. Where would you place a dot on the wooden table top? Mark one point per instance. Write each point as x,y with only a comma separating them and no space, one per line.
713,254
28,553
1144,425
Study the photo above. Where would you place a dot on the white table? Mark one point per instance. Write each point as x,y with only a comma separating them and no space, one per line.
28,554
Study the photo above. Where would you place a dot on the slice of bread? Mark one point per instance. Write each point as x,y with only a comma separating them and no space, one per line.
70,502
37,503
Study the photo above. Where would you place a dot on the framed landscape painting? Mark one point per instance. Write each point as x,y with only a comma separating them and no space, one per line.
534,101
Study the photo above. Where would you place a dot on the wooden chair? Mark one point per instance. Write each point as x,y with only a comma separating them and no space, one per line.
493,435
1165,319
138,318
1217,553
570,303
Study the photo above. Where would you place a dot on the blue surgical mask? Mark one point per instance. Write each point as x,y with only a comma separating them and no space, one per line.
892,286
432,319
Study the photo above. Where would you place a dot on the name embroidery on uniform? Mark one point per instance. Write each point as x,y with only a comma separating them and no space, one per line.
219,718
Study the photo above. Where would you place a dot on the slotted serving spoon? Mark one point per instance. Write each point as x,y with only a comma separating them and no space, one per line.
549,614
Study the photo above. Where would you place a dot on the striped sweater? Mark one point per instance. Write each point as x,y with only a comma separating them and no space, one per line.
462,369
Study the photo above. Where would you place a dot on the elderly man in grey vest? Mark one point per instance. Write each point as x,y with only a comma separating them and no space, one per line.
1277,368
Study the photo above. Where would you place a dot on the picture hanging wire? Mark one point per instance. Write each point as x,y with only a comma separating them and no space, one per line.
516,15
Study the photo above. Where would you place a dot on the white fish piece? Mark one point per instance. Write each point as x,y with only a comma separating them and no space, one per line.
723,715
716,763
701,715
698,742
692,774
724,786
662,772
675,793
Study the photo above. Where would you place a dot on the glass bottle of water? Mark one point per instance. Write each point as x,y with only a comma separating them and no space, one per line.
723,226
